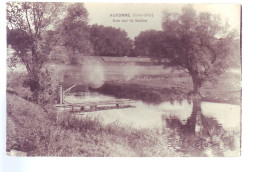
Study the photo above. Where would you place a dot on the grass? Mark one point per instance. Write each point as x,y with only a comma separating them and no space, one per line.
26,124
30,129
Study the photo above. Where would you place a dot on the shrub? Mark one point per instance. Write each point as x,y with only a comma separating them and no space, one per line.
16,81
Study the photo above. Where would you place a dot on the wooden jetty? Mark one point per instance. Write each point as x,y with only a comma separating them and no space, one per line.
95,106
89,106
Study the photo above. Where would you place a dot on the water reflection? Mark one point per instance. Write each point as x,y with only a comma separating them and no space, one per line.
200,135
193,129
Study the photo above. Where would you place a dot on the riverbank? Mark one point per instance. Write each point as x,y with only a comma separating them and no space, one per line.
157,88
32,130
156,95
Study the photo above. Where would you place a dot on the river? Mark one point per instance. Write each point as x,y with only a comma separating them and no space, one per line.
196,129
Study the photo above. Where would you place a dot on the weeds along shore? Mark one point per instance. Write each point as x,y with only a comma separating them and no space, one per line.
32,130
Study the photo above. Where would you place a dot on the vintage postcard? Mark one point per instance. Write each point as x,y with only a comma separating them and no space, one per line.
123,79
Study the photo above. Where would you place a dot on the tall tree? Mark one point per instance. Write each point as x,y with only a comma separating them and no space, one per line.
27,25
109,41
199,44
74,32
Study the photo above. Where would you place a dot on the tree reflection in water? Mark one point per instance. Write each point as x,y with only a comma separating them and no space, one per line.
200,135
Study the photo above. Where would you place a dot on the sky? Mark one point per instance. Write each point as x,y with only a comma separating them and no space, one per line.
151,15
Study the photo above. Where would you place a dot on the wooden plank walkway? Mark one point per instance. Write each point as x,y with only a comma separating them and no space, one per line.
96,106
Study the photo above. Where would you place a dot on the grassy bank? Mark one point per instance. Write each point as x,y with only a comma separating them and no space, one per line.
30,129
147,94
136,91
160,88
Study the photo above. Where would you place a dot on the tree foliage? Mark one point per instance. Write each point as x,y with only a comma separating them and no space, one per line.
148,43
75,32
27,33
109,41
196,43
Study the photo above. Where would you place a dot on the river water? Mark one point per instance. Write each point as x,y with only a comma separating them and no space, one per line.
195,129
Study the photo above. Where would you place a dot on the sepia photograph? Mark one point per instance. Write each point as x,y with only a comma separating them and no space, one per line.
123,79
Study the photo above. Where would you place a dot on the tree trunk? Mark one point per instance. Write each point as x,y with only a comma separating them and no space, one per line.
34,84
196,108
197,83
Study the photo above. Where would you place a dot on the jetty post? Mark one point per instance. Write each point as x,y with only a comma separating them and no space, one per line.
61,94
